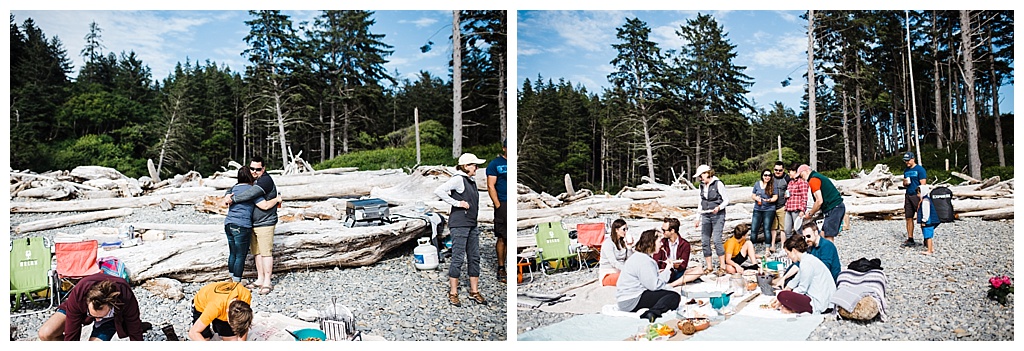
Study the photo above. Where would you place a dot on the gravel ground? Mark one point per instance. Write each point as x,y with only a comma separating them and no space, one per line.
391,298
937,297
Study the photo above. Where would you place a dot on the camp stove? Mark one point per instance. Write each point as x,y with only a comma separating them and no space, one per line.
367,210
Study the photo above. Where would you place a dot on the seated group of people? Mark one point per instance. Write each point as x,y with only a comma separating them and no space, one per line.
107,302
647,272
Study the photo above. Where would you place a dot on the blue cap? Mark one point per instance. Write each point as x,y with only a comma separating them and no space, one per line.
504,143
907,156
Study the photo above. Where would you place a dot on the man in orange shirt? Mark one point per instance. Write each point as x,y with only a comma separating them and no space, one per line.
827,199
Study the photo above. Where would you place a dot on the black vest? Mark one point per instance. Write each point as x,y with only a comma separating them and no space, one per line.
713,198
462,217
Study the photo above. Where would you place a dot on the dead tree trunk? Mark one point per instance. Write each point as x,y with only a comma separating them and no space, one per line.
967,45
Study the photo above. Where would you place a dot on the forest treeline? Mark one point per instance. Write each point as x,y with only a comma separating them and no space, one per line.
319,88
670,109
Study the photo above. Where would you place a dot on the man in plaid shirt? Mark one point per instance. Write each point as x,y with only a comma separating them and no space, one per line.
797,202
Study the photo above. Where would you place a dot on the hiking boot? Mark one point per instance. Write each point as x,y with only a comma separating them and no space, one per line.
476,297
909,243
454,300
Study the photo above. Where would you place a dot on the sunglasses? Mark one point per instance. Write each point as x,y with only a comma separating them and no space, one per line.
256,169
766,175
779,170
807,236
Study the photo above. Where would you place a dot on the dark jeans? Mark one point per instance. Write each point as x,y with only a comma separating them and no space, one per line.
465,247
238,247
761,222
658,301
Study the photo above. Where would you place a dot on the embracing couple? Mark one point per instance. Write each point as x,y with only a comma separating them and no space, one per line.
252,217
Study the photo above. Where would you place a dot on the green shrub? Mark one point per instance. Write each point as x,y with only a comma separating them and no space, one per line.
741,179
390,158
1004,173
725,165
840,174
767,160
398,158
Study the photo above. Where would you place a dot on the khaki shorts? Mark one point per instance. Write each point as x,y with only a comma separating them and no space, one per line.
262,242
780,219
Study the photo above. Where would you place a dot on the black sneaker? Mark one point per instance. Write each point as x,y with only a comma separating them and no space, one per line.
909,243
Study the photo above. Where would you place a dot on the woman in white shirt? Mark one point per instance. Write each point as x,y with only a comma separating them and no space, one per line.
813,286
614,252
640,284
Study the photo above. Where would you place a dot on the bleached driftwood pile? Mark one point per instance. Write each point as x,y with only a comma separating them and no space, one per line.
876,194
310,234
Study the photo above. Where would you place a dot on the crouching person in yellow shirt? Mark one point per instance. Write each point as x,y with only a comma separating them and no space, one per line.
221,307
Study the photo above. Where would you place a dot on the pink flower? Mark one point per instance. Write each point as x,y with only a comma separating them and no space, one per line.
1006,280
996,282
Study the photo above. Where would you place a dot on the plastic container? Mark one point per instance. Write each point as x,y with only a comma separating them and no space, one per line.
425,254
303,334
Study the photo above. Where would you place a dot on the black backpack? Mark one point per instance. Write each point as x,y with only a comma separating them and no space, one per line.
942,200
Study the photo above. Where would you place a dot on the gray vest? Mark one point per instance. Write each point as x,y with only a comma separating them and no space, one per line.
712,199
462,217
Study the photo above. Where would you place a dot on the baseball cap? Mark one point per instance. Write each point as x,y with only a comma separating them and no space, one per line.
700,170
468,158
907,156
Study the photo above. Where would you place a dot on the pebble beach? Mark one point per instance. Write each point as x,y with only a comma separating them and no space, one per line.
931,298
390,299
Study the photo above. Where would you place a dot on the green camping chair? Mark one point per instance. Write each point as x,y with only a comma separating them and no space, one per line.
553,244
30,273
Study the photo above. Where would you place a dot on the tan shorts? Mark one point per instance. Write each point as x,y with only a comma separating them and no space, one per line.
262,242
780,219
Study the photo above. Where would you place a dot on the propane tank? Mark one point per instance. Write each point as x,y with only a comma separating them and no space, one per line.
425,254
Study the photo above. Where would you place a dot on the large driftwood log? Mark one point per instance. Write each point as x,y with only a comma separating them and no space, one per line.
989,215
969,179
71,220
202,257
96,172
185,198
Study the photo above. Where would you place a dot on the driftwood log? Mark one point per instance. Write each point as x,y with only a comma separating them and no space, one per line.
201,256
71,220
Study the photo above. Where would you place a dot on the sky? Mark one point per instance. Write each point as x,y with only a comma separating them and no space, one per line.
576,45
161,39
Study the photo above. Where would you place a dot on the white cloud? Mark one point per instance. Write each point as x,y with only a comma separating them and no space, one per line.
590,30
781,52
421,22
666,36
789,16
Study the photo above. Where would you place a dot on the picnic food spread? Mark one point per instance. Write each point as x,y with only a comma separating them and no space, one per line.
655,331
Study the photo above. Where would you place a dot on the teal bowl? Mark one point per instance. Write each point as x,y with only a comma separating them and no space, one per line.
773,265
718,302
302,334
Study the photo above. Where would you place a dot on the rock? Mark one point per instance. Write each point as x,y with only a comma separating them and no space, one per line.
960,332
165,287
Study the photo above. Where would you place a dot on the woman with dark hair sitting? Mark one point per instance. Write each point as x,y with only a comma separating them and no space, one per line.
640,284
813,286
614,252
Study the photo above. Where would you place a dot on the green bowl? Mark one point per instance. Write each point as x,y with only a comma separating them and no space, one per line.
309,333
719,301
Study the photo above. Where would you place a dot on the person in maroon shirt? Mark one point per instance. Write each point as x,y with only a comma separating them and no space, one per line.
106,302
675,251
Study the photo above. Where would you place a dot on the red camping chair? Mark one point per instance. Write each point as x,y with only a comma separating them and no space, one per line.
75,260
590,236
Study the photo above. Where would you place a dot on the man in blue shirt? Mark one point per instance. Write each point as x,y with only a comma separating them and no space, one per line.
497,173
913,178
824,250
